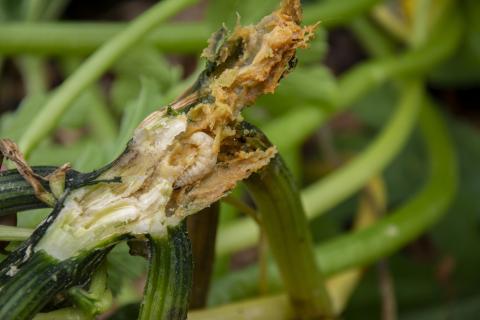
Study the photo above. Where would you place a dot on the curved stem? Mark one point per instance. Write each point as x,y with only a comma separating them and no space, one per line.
414,62
339,185
343,182
353,85
93,68
365,246
408,222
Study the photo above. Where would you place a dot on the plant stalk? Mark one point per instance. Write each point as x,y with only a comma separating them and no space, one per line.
360,248
169,277
285,224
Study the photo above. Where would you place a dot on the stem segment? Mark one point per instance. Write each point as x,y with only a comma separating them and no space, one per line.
78,38
362,247
288,233
169,277
25,291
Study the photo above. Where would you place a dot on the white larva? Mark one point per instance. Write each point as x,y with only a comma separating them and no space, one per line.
204,161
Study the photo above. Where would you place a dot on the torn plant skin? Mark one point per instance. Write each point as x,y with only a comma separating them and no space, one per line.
9,150
187,156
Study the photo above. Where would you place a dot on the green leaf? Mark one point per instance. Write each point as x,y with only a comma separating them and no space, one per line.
123,268
13,124
148,101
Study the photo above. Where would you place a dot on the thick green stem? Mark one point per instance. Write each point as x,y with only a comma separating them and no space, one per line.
289,238
16,194
66,38
169,277
81,38
93,68
25,290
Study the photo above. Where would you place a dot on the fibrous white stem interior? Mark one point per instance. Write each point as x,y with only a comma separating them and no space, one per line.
148,170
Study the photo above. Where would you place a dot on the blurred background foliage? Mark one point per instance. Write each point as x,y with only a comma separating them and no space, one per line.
317,118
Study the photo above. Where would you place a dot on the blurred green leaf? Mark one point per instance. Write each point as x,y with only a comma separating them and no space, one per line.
150,63
317,48
123,268
250,11
149,100
314,86
13,124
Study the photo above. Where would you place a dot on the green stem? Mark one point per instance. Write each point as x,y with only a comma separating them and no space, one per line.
9,233
16,194
93,68
418,61
288,233
33,74
359,248
324,194
340,184
98,298
353,85
421,22
374,41
81,38
66,38
408,222
169,277
29,287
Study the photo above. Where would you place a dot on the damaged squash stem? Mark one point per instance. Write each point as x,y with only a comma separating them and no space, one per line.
169,276
286,226
180,160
